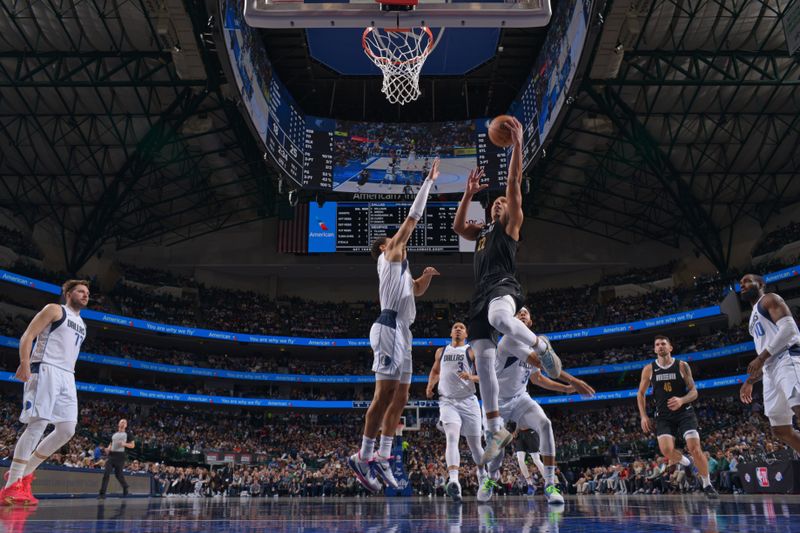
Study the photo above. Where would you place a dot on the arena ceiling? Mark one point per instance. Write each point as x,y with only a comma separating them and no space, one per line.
686,122
119,127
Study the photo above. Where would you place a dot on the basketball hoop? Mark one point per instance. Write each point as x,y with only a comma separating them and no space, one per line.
400,53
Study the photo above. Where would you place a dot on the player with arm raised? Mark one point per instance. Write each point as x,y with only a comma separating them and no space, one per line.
498,294
777,341
390,339
459,411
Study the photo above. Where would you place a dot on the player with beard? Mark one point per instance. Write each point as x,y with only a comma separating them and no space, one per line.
48,351
777,341
673,391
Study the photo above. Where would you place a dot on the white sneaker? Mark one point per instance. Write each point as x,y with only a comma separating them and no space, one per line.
453,489
383,470
553,495
495,443
363,473
486,489
551,363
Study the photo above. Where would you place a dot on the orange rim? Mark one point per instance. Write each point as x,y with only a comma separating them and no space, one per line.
397,30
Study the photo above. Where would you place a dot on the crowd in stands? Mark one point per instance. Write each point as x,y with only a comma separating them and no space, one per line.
357,362
778,238
251,312
157,276
17,241
304,454
639,275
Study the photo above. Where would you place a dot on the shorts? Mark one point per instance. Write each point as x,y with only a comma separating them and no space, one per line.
463,411
49,394
676,425
479,327
782,389
527,442
391,345
513,409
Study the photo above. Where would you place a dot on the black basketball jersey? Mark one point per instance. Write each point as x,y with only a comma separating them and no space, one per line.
495,255
666,383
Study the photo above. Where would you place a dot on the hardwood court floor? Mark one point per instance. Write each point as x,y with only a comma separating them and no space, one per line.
595,514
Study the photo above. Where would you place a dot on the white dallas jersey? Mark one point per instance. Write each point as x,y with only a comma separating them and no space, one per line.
396,289
60,342
763,330
512,367
454,360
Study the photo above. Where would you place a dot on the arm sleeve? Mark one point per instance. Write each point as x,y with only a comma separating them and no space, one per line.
418,207
787,330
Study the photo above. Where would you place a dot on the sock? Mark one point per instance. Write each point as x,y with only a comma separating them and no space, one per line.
495,424
706,481
16,472
685,461
540,347
61,434
385,450
367,448
453,474
33,463
549,475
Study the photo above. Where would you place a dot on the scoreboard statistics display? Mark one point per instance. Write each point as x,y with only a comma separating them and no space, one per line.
353,226
324,154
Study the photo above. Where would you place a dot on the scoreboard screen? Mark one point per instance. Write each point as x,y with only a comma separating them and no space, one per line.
353,226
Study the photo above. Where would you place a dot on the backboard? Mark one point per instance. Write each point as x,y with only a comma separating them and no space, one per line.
365,13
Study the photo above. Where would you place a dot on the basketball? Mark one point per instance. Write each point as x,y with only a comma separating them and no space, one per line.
499,133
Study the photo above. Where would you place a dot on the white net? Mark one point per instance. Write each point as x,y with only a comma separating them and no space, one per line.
400,54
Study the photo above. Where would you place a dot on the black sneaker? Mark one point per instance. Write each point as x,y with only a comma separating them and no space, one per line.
711,492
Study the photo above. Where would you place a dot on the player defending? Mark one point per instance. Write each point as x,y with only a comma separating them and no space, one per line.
514,369
49,396
459,411
673,390
777,341
498,295
390,339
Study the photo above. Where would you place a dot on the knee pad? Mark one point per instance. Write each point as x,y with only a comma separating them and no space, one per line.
65,430
29,439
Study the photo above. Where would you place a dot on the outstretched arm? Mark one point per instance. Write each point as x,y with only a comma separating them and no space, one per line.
422,283
417,209
546,383
463,228
581,387
514,183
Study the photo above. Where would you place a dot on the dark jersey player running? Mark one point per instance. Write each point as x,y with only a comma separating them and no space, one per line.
673,391
498,294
